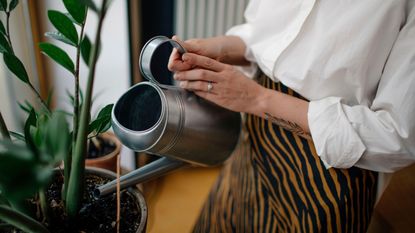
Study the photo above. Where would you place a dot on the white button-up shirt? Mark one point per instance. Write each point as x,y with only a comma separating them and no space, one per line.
355,61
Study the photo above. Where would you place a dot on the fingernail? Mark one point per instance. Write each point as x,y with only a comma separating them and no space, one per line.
185,57
182,84
176,76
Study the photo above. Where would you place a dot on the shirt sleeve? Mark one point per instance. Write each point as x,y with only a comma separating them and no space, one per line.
245,32
379,137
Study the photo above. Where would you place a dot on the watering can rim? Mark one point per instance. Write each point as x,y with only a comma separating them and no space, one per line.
164,112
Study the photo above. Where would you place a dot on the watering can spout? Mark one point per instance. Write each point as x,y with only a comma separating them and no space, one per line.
150,171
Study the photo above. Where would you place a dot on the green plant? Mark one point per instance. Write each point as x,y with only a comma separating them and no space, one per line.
27,159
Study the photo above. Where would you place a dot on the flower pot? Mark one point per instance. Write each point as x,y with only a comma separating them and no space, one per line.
97,217
108,161
140,201
92,217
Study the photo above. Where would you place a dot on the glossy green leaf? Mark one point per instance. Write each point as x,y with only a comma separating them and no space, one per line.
77,10
64,25
72,19
4,45
103,121
58,55
59,37
90,4
16,67
3,5
31,121
86,49
13,4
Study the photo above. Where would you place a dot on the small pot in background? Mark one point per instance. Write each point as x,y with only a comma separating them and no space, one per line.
108,161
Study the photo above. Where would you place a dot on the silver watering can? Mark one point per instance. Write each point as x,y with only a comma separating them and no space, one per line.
171,122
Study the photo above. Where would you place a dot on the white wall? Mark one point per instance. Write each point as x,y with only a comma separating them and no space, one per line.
113,68
12,90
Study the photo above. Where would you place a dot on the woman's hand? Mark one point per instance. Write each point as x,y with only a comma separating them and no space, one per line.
204,47
226,49
230,88
234,91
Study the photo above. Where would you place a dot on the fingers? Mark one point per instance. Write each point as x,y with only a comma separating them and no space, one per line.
198,86
176,63
194,57
203,62
197,74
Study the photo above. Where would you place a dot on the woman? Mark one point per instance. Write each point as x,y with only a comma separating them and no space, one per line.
332,104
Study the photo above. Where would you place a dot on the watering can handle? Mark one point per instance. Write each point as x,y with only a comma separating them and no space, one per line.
147,52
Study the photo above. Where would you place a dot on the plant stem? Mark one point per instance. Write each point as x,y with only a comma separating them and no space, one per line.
75,188
44,205
8,31
68,159
66,173
44,105
3,128
76,93
21,221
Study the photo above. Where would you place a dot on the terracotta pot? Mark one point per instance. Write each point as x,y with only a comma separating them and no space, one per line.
108,161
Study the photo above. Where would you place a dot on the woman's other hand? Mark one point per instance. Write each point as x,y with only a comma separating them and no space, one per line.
204,47
219,83
226,49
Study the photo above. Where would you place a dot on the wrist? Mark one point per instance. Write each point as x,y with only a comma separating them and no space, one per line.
260,101
231,50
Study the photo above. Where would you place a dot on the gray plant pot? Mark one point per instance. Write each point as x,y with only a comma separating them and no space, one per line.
134,191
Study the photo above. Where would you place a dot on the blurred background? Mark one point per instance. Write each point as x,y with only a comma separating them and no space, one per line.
174,201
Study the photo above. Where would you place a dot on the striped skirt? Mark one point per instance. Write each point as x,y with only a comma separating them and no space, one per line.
275,182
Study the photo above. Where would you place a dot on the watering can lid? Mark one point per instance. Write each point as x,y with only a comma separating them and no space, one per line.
147,52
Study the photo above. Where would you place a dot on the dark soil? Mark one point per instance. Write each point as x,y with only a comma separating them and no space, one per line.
96,216
103,148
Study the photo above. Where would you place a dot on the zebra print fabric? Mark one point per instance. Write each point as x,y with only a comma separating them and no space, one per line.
275,182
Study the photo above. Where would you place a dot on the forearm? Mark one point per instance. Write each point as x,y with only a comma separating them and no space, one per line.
234,91
284,110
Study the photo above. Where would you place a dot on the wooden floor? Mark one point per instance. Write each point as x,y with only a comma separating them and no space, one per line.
174,201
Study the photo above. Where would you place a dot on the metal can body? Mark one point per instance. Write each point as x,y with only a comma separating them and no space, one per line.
183,127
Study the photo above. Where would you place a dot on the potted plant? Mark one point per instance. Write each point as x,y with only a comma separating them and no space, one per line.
33,196
103,151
